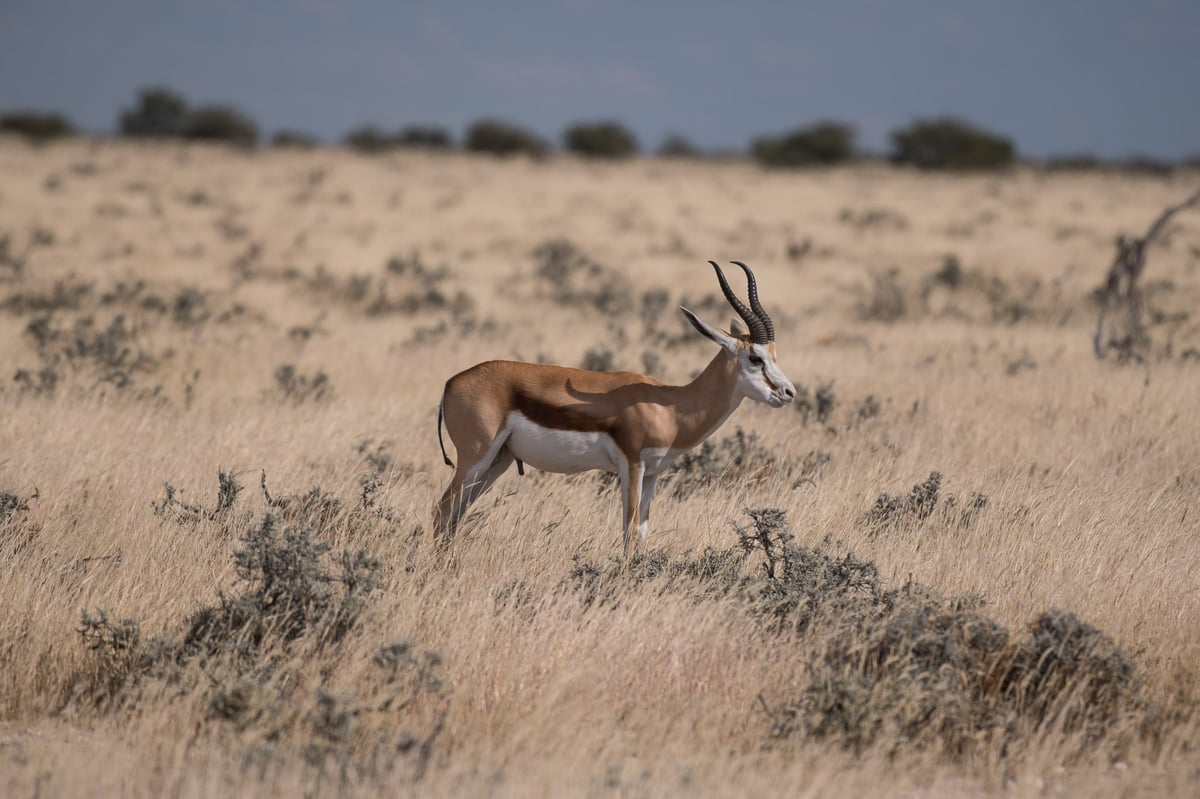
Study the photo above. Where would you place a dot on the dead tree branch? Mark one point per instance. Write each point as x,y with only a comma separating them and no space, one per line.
1127,267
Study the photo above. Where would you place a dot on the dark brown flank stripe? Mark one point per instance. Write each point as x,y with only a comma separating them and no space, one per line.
559,418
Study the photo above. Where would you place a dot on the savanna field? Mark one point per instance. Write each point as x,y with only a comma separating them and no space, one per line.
963,563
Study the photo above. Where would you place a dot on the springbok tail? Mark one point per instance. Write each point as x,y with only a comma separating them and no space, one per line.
441,443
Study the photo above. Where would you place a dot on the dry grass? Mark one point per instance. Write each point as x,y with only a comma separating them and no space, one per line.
171,312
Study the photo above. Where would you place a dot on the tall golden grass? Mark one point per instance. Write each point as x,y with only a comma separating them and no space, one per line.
1090,468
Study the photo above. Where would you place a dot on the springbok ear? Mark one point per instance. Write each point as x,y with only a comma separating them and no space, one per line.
737,329
727,342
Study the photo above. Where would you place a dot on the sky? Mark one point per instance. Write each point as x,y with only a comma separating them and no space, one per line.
1114,79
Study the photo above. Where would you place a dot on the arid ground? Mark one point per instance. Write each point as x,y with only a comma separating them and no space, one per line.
218,461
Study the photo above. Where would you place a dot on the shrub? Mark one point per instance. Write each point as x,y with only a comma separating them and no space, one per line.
922,501
818,404
188,513
899,668
600,140
11,504
885,300
432,137
676,146
368,139
287,590
221,123
294,139
371,139
1146,165
574,278
262,653
112,353
820,144
502,138
739,458
950,144
599,359
35,125
159,112
1073,162
297,387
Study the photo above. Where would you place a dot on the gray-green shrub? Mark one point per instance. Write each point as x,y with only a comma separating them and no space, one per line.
947,143
822,144
36,126
503,138
159,112
600,140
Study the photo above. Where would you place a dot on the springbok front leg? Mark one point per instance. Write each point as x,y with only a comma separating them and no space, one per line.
631,473
648,483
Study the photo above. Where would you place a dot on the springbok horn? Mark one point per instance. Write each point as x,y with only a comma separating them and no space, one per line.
758,331
755,305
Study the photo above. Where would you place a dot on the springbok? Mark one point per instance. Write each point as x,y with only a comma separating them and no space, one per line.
560,419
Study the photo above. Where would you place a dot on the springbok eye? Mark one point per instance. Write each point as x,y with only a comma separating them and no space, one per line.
755,360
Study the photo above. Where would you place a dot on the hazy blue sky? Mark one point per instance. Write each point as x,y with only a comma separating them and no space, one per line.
1113,78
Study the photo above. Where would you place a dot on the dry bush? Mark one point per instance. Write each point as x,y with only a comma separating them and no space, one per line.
869,219
974,295
294,603
112,352
920,504
407,287
572,278
899,668
736,458
295,386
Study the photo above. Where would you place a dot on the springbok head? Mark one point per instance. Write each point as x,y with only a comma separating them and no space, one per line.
753,349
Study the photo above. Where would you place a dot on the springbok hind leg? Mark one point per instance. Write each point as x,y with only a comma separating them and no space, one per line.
468,484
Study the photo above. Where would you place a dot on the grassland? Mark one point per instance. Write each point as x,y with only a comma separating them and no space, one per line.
179,321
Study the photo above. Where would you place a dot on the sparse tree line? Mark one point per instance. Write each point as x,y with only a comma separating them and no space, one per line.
944,143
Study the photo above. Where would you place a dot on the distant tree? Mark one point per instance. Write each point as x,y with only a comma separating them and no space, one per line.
677,146
294,139
221,123
36,125
948,143
1146,165
159,112
433,137
1073,162
821,144
368,139
600,140
503,138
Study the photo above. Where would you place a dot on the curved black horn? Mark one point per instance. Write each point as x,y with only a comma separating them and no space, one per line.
758,330
755,305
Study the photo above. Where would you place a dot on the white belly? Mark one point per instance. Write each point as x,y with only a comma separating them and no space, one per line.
560,450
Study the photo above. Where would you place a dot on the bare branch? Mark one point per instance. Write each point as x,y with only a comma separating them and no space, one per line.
1128,264
1162,220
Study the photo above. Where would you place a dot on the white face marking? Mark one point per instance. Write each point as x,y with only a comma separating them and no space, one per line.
761,379
562,451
